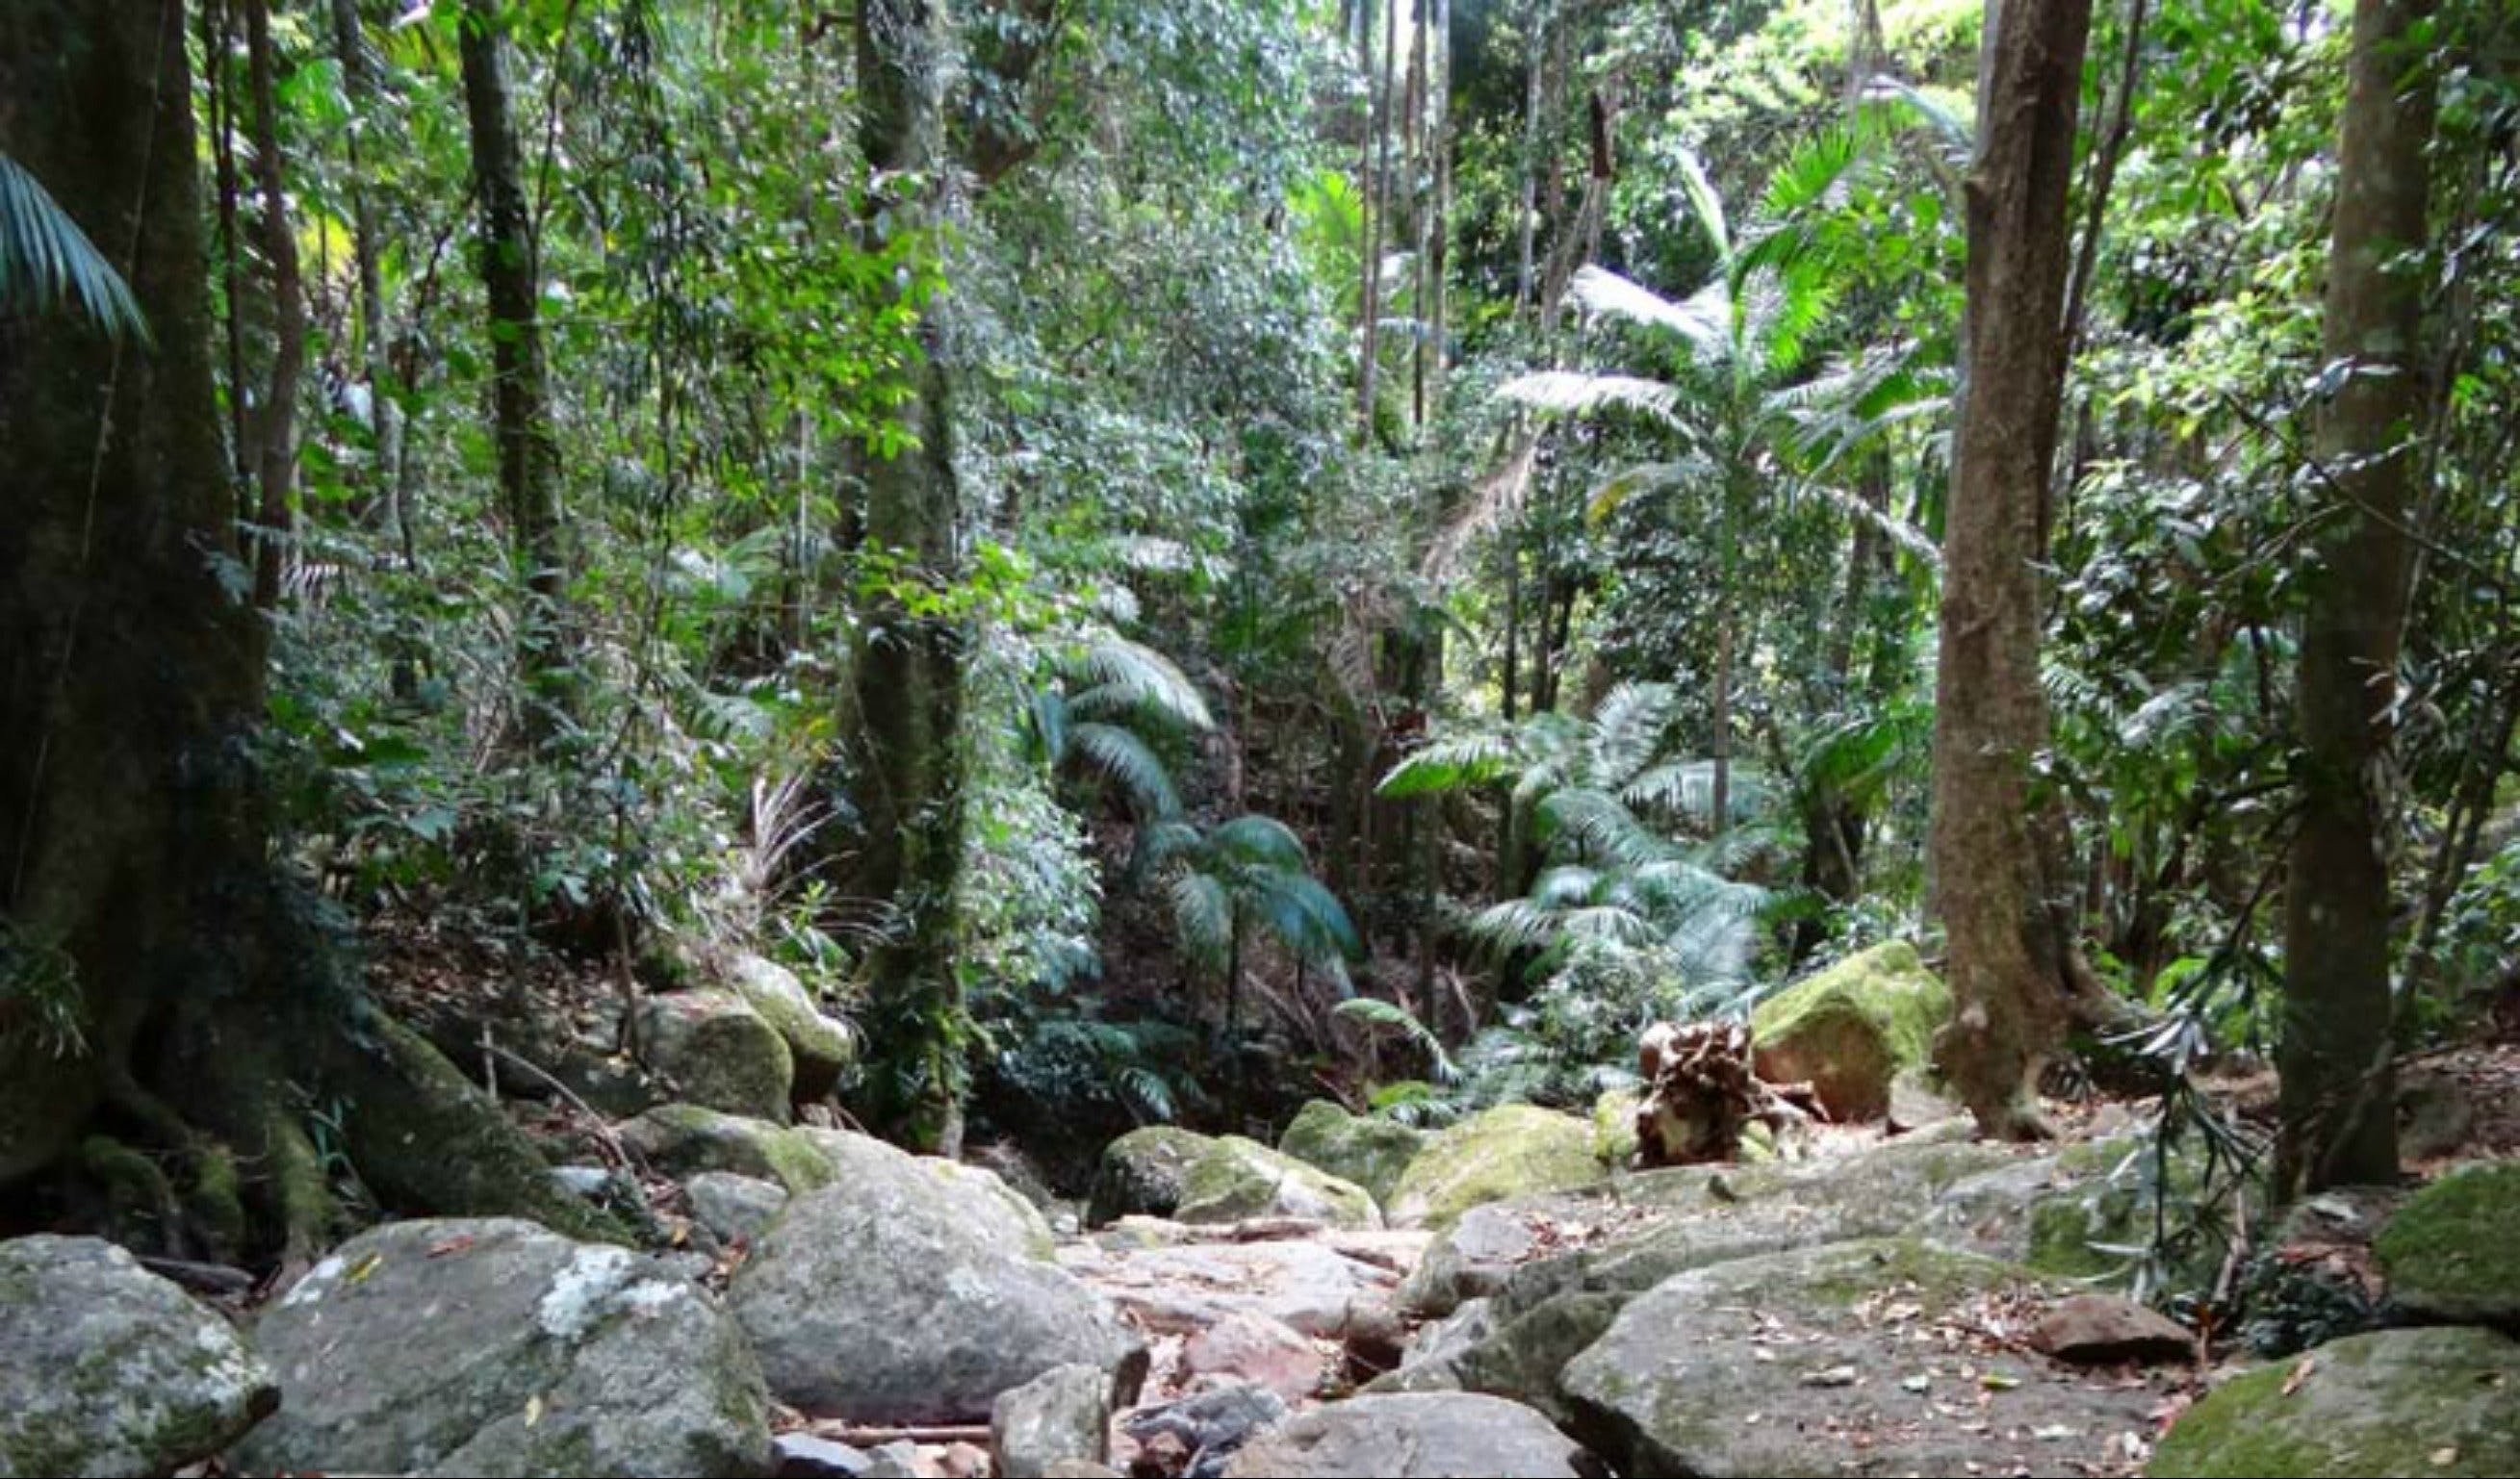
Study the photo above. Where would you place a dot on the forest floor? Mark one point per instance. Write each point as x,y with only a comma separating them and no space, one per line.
1218,1301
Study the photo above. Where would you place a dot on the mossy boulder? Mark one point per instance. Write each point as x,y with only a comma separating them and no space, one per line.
2441,1401
680,1140
821,1047
1371,1152
1144,1173
1789,1362
493,1346
1519,1359
2451,1252
887,1174
1509,1151
1239,1179
106,1368
1853,1028
718,1053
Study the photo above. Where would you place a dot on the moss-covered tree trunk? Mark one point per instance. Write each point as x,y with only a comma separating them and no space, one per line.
137,902
904,747
2012,963
2339,1114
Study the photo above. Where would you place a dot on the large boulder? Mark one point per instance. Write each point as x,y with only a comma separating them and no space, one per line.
106,1368
1425,1435
1144,1173
1509,1151
1520,1358
1632,1233
718,1052
948,1189
493,1346
2451,1252
681,1140
1239,1179
2394,1402
885,1302
1371,1152
1789,1362
1851,1029
2073,1214
820,1045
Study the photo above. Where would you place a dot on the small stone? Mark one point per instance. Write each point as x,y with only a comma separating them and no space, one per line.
1065,1412
1253,1347
964,1460
737,1208
588,1181
2102,1329
802,1456
899,1459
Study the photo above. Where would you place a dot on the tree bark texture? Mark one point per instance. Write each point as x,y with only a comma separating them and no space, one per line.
2010,963
276,427
2339,1114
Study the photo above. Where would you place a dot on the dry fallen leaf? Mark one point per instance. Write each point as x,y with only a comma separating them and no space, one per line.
2443,1457
533,1410
1833,1376
455,1244
2300,1374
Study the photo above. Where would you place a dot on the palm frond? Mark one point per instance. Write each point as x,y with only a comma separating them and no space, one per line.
1122,758
1575,393
1627,729
46,259
1456,762
1203,916
1255,841
1132,670
1600,826
1373,1012
1704,201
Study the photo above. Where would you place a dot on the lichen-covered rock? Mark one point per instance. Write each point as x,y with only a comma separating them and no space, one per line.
1509,1151
2074,1213
493,1346
1519,1359
1412,1435
1239,1179
1371,1152
1628,1234
681,1140
1144,1173
2451,1252
718,1053
1852,1028
1063,1414
948,1187
1831,1348
736,1208
2439,1401
820,1045
887,1302
106,1368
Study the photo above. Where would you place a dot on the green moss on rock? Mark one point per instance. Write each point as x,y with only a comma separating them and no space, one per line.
1142,1173
2393,1401
1511,1150
1853,1028
1371,1152
682,1138
1239,1179
2451,1253
1614,1128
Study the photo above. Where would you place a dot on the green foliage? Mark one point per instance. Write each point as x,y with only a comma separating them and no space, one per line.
46,259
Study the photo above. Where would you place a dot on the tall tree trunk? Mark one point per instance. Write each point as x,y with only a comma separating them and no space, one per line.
1527,224
528,450
276,429
218,42
134,871
1378,196
2013,969
2339,1112
1439,230
908,672
359,82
